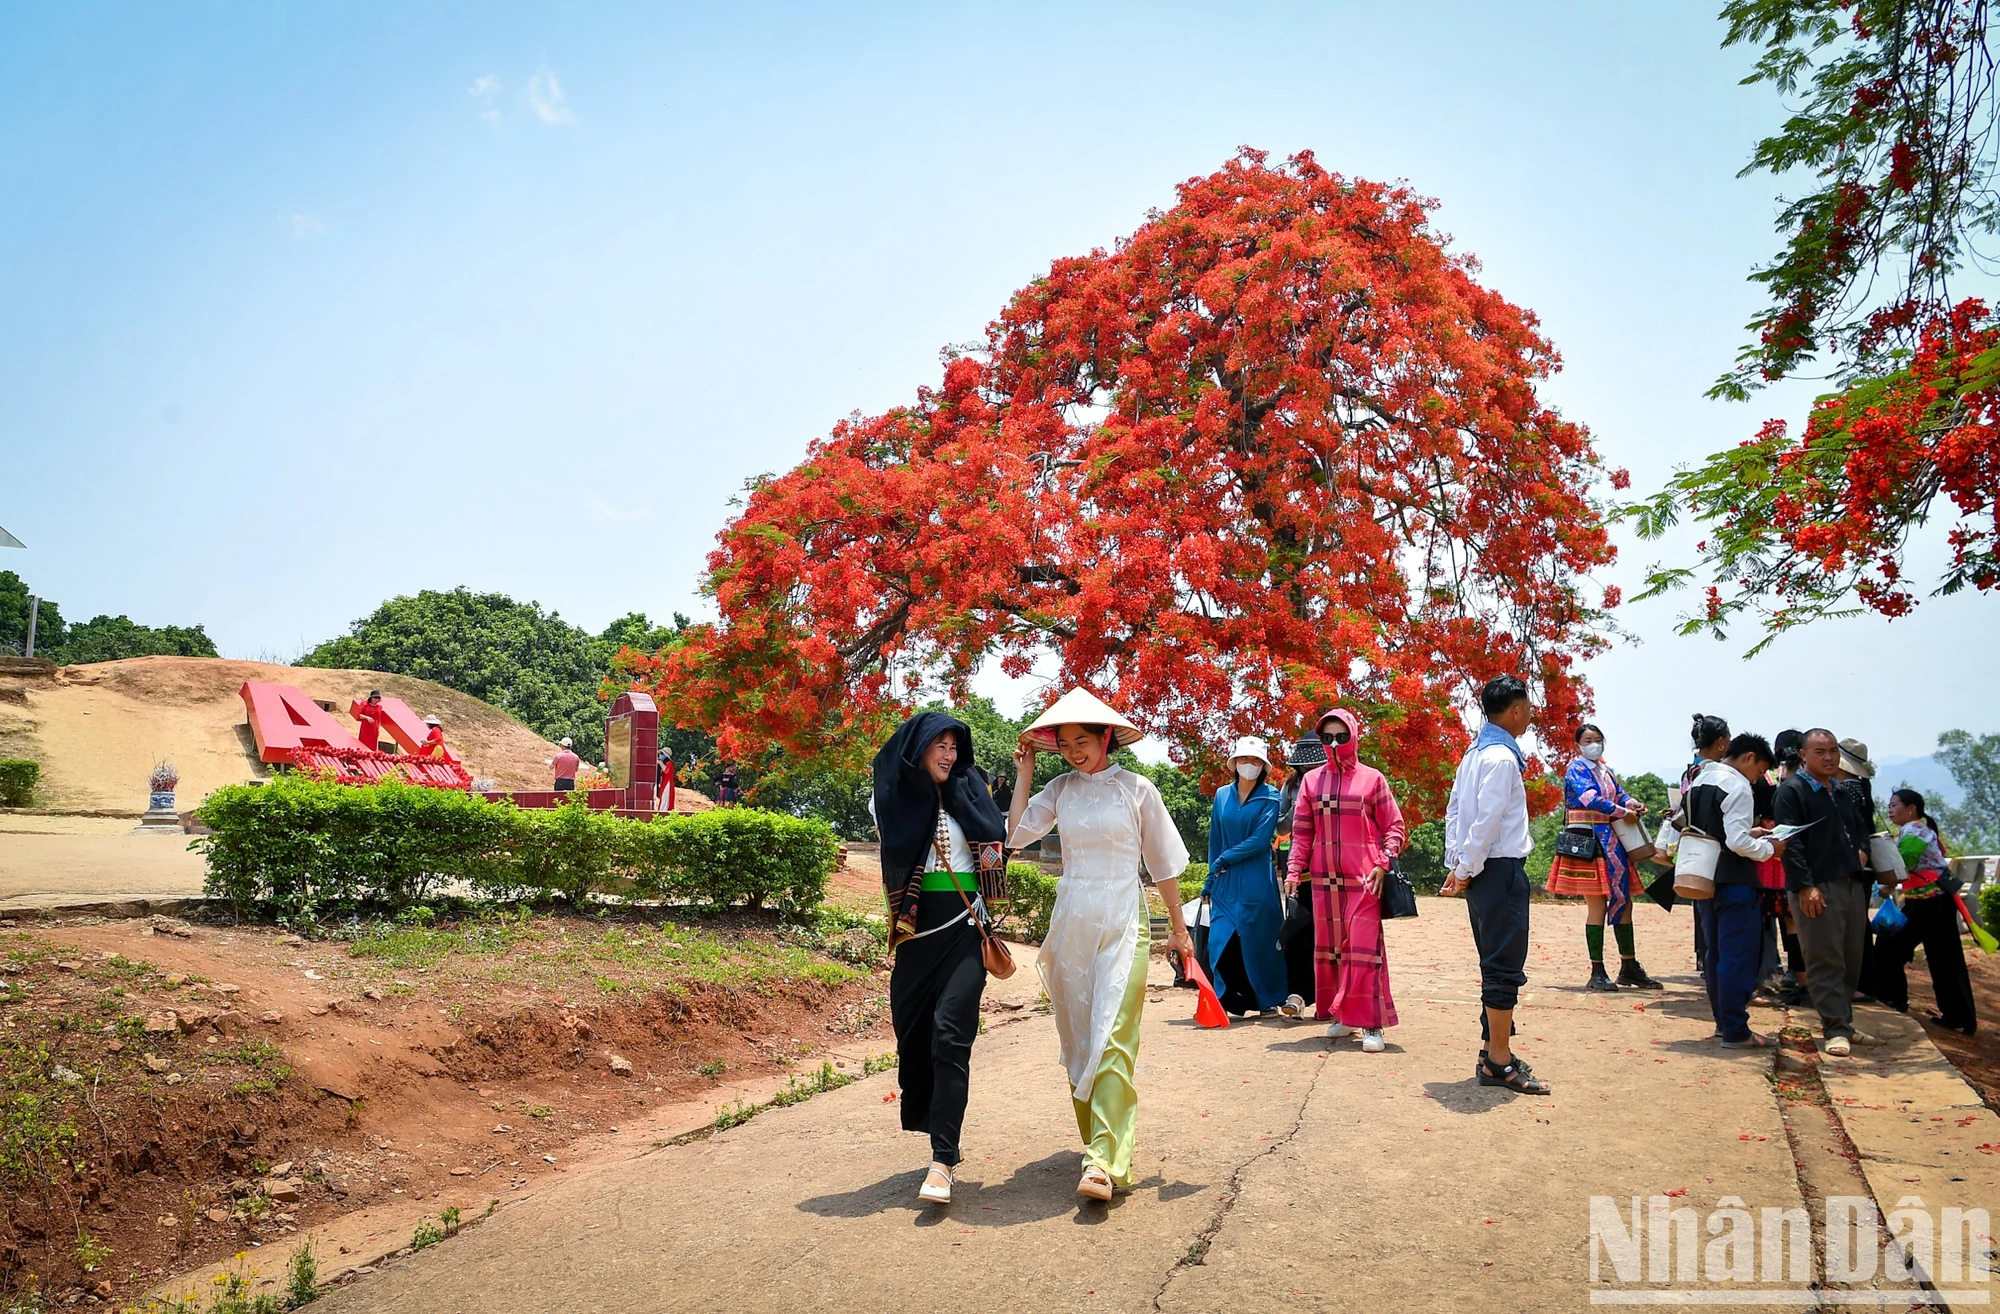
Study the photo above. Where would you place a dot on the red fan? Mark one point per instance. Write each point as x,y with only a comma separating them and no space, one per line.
1207,1009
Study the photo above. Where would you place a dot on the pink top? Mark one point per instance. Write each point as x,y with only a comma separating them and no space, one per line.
566,764
1346,823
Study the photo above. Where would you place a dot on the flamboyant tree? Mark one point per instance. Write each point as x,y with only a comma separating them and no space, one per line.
1276,451
1900,129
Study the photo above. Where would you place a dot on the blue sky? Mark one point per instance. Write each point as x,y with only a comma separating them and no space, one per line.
305,306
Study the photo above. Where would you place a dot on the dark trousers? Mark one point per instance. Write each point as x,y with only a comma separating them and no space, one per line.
1933,926
934,992
1732,923
1496,901
1834,942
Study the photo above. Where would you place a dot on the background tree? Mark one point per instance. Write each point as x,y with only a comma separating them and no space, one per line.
1897,132
1277,449
99,639
1973,826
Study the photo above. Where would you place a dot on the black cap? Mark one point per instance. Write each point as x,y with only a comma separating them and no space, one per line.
374,693
1308,751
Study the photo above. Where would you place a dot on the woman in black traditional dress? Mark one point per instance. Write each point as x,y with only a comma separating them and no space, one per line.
934,811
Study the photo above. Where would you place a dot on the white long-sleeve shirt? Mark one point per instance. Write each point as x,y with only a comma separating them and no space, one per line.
1487,816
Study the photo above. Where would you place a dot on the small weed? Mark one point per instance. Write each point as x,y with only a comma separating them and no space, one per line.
734,1115
302,1276
452,1219
878,1063
259,1167
798,1092
90,1252
713,1068
609,985
427,1235
541,1111
1197,1252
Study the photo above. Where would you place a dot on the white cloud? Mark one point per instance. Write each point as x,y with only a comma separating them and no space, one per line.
605,513
305,225
545,97
484,85
491,116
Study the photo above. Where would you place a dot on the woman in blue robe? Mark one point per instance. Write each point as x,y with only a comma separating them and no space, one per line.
1246,908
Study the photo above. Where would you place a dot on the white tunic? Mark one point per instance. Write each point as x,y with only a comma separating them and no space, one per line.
1110,822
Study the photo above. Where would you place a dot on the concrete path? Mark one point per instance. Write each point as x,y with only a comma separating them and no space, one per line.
1278,1171
50,861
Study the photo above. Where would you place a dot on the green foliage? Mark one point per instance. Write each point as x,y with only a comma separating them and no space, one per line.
1973,826
14,594
114,638
302,1276
1989,907
296,846
18,777
1543,831
427,1235
1187,803
532,664
1650,790
1423,857
1034,902
837,796
99,639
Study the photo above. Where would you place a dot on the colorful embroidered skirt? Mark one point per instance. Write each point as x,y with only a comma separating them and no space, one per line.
1578,877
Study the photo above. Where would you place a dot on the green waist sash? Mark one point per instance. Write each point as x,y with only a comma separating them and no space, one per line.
939,882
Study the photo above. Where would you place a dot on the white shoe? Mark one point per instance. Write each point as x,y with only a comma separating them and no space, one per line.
1294,1006
1372,1042
931,1192
1837,1046
1339,1031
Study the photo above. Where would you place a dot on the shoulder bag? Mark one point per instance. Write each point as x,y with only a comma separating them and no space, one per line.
993,951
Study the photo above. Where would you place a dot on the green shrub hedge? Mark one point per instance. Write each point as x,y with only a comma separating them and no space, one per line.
1034,902
296,845
1989,907
17,781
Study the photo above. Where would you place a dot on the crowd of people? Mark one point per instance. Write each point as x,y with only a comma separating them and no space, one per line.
1790,829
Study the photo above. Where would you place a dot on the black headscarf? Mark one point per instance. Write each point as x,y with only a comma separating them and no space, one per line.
906,798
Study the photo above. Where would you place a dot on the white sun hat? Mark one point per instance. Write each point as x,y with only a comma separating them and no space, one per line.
1251,746
1081,707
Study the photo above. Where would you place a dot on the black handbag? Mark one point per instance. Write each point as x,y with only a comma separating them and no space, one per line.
1578,844
1399,897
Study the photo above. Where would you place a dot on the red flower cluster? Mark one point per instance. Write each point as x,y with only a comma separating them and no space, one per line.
1277,450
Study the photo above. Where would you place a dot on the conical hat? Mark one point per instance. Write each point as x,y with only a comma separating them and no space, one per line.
1081,707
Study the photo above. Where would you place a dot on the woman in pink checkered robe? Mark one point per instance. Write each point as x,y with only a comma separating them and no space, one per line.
1346,830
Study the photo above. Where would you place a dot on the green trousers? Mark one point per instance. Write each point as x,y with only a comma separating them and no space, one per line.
1109,1120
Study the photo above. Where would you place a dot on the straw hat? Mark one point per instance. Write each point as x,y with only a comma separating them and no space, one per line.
1854,759
1251,747
1081,707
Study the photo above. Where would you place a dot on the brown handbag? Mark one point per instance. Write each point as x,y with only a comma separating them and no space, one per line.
993,951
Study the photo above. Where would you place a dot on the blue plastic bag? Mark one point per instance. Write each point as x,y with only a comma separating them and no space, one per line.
1889,918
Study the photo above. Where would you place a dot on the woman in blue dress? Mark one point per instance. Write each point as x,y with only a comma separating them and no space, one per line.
1246,909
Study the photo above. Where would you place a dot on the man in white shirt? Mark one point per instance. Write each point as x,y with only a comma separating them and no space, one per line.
1486,845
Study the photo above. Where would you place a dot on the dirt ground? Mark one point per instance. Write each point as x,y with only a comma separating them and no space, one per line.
98,729
225,1085
1977,1057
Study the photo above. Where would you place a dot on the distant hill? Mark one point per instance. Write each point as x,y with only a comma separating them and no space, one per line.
1926,775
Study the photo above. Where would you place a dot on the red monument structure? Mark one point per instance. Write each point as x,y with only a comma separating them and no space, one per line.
291,728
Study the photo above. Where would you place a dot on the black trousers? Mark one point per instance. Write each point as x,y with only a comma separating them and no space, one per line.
1497,903
1933,925
934,992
